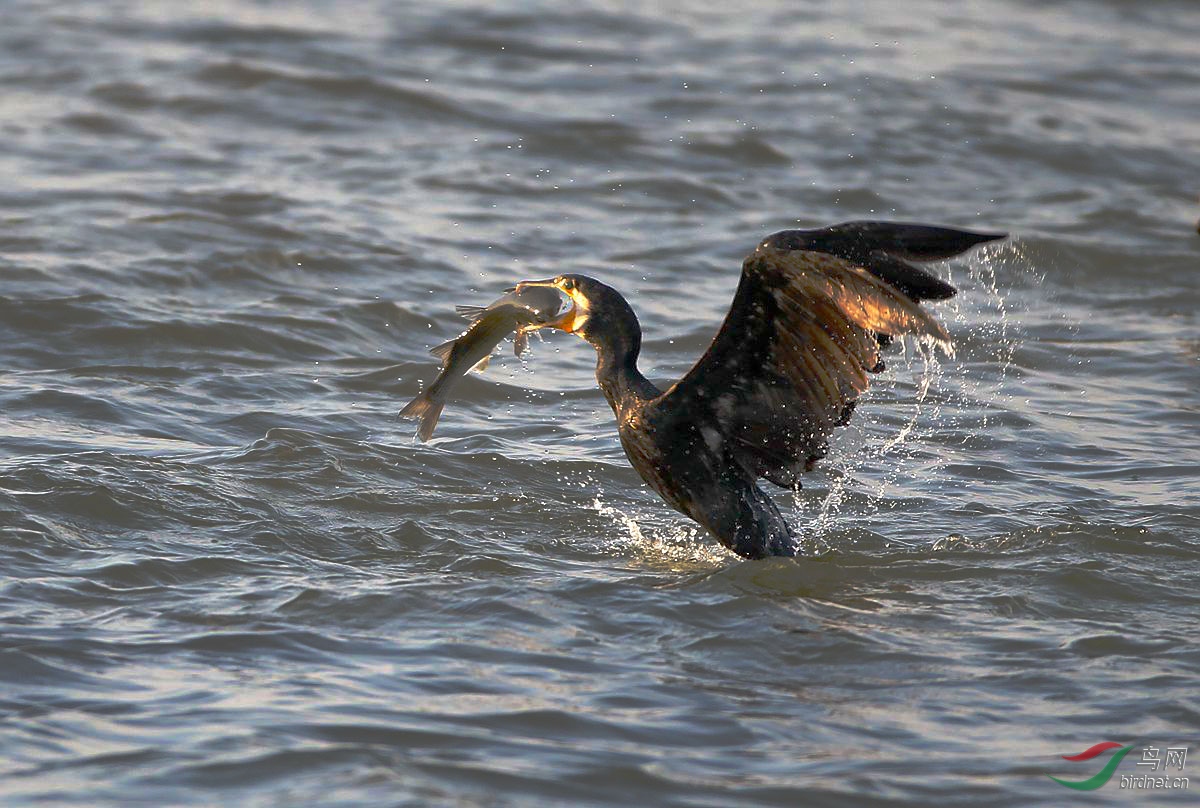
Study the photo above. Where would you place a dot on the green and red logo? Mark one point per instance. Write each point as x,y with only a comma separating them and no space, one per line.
1101,777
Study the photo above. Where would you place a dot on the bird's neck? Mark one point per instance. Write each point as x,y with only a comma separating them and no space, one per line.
620,380
614,331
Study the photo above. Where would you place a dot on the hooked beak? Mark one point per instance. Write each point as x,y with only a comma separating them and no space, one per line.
566,320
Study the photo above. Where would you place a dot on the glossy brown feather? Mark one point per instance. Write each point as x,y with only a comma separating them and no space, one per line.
792,357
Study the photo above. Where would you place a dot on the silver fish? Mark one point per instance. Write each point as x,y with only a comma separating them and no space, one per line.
521,311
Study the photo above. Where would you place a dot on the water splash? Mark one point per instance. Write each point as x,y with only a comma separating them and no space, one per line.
930,370
674,541
961,386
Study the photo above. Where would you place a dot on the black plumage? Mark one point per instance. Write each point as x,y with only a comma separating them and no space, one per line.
787,366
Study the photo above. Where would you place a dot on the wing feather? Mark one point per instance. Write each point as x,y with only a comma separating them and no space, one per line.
792,357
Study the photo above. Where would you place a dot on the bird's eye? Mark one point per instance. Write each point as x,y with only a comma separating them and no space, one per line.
568,284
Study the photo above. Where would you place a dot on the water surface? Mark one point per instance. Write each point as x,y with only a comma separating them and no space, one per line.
229,233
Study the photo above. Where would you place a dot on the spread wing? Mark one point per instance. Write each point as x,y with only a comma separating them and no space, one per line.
794,353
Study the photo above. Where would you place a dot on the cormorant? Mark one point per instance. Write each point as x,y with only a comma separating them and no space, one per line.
810,315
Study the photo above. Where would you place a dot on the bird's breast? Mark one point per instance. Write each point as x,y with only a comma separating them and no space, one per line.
674,458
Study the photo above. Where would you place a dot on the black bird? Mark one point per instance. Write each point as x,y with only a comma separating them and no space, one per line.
811,313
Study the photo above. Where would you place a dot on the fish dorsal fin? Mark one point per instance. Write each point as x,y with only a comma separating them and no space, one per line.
442,351
521,342
472,313
482,364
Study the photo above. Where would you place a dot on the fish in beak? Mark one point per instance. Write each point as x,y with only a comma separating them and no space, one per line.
523,309
570,319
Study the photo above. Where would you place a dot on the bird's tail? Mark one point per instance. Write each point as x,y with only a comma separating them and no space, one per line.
426,410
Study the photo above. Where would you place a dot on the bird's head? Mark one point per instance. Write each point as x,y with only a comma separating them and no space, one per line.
594,306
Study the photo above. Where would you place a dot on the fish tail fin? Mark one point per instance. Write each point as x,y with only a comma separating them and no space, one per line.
426,410
471,312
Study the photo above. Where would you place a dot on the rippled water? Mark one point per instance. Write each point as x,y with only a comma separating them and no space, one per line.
230,231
